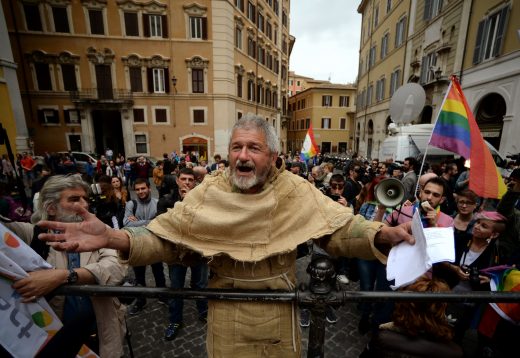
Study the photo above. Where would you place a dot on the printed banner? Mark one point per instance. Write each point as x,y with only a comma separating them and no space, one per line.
25,327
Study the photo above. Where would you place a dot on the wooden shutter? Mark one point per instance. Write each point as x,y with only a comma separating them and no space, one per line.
164,24
131,26
166,80
478,45
146,25
427,9
149,74
501,28
204,28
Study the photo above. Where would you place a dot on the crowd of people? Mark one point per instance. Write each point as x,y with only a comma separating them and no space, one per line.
238,225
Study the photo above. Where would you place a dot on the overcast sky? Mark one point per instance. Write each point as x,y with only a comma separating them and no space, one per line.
327,39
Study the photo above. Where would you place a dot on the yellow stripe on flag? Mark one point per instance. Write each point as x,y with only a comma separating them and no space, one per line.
454,106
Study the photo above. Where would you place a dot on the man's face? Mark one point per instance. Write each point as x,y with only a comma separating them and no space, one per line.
142,191
221,167
295,169
336,187
406,166
249,159
374,164
315,172
69,199
433,193
141,160
186,182
396,173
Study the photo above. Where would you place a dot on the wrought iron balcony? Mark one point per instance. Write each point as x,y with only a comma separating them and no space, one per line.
102,95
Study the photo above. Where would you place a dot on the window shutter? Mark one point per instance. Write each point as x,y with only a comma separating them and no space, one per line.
478,45
204,28
427,9
396,34
166,80
149,73
40,116
501,28
164,20
424,70
146,25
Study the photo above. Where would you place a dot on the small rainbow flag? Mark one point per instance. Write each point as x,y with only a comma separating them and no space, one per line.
310,148
457,131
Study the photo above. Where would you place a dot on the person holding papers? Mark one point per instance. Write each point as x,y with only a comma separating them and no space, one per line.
430,197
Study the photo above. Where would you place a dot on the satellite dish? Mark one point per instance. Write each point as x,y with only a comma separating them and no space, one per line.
407,102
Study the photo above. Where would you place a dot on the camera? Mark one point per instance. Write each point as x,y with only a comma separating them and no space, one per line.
333,196
474,279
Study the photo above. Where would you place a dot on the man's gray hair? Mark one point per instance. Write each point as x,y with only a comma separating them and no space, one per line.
51,193
253,121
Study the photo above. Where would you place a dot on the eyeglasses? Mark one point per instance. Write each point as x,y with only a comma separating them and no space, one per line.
337,186
465,203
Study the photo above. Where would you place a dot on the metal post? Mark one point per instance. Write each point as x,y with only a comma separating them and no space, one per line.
322,285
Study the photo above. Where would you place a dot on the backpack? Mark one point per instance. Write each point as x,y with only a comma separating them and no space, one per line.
16,210
134,209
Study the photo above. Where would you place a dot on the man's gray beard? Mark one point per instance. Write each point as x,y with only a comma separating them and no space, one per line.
68,218
244,183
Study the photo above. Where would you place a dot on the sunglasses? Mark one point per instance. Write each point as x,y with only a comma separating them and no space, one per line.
337,186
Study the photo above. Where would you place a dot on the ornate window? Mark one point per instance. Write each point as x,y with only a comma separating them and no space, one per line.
198,72
196,21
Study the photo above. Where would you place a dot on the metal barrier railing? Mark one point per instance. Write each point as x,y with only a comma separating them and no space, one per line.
321,291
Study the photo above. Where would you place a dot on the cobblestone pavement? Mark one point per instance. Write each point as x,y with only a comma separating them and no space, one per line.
341,340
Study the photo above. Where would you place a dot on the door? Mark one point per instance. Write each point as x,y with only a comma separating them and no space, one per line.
104,82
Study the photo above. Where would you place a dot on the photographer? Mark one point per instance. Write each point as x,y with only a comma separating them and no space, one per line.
352,184
480,252
336,188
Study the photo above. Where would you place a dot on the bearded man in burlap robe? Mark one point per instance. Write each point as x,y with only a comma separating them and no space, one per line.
248,222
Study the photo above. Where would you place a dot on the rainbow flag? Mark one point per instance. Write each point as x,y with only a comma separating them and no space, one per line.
457,131
310,148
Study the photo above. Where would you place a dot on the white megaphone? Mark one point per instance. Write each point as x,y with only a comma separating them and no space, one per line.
389,192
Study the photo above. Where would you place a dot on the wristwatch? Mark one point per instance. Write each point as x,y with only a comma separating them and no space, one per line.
73,277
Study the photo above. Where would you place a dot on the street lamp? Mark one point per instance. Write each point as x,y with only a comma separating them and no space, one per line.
174,83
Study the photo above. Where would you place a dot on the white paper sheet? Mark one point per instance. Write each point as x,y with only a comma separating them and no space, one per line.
407,262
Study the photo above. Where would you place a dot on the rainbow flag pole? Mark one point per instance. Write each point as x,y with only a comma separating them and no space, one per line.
309,148
456,130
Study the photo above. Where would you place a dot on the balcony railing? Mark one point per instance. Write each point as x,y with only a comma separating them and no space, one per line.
102,95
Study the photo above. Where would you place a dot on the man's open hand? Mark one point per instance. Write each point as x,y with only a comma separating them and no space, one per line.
89,235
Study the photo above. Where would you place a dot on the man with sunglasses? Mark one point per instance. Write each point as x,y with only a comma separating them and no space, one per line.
352,184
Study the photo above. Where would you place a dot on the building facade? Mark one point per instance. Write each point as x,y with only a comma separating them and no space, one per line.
13,118
330,109
381,69
491,72
147,77
427,41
